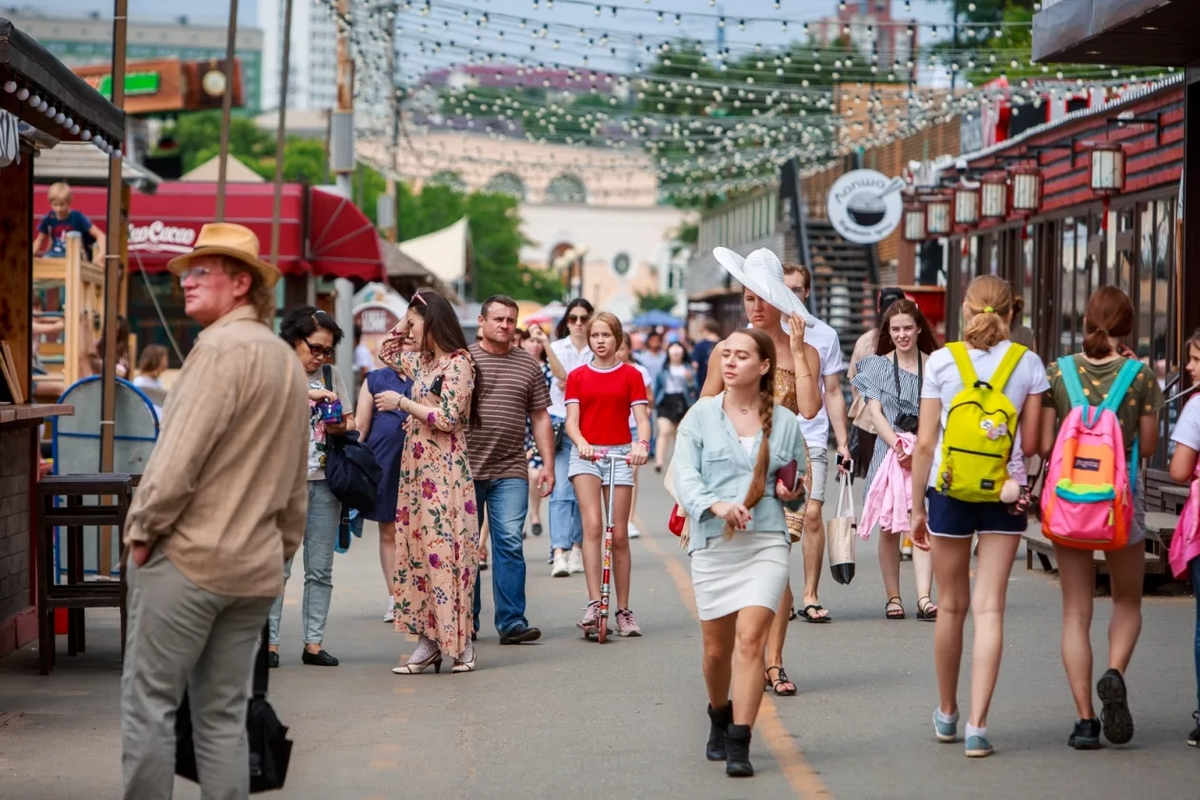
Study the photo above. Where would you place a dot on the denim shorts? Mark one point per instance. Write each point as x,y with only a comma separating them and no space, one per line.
958,519
599,469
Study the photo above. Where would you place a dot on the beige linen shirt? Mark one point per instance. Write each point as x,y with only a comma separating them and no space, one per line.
225,493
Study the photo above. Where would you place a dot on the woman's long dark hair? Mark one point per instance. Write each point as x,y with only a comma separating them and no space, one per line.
442,328
561,331
926,341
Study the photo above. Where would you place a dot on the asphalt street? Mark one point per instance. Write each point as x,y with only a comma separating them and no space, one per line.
569,718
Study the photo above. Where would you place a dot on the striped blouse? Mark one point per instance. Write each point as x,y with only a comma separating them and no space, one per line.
876,380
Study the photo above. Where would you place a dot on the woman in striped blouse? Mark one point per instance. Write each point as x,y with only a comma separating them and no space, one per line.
890,381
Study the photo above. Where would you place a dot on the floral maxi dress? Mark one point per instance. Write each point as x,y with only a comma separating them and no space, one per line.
437,527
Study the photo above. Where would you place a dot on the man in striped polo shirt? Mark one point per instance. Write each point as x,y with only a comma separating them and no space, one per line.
511,389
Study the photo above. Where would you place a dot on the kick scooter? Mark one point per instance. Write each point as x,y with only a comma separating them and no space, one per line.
601,629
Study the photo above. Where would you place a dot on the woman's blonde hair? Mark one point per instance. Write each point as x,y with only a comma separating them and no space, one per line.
609,319
766,413
989,298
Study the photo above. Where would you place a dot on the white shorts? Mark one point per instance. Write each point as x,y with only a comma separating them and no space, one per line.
818,467
600,469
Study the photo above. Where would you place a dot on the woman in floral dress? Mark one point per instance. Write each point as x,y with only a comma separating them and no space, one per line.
437,529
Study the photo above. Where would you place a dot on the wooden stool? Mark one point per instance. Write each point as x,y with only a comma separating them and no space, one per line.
76,594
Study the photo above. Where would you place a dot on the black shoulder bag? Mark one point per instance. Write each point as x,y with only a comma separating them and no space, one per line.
351,470
270,749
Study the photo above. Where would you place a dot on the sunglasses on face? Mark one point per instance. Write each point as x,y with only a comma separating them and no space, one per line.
317,350
196,273
578,320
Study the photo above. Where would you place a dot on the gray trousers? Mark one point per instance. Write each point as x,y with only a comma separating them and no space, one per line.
320,542
181,636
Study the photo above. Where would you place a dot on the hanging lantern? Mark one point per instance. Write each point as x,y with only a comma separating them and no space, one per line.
1108,169
1026,190
914,223
966,205
993,203
939,215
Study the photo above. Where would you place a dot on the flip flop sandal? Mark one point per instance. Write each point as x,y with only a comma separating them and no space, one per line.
818,620
782,680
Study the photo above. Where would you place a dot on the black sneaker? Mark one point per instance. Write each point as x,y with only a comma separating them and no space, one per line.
519,634
272,659
1118,722
321,659
1086,735
1194,736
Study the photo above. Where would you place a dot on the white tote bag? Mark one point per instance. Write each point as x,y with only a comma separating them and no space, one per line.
840,533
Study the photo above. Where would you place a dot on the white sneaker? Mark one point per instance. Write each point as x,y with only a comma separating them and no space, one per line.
390,614
561,568
576,560
633,531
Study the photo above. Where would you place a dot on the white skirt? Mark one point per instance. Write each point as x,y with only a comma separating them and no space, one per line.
749,569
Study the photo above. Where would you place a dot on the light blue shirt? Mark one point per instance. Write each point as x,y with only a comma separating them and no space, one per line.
711,466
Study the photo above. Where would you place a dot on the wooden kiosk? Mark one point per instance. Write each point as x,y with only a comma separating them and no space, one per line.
29,73
82,285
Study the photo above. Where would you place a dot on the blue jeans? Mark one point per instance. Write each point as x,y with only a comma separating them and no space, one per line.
566,524
320,538
1195,568
504,503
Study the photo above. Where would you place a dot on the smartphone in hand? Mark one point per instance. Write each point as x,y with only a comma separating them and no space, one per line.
436,388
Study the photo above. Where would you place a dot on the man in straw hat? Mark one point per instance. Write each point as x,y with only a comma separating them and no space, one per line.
220,507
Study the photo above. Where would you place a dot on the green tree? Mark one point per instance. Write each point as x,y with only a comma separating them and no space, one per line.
653,301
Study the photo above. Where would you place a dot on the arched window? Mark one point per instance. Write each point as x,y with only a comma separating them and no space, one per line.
506,183
566,190
448,178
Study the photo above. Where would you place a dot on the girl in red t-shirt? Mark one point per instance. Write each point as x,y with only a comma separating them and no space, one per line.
600,396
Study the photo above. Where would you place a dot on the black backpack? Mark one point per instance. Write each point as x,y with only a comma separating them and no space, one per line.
351,470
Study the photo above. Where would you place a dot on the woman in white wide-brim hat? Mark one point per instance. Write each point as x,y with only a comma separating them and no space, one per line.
774,309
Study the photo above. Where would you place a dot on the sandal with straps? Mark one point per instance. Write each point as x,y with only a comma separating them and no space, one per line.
926,610
788,689
896,613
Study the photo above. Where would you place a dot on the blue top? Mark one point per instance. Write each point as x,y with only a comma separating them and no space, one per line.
712,466
57,229
387,427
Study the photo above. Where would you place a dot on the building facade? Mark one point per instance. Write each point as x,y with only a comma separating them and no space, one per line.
312,83
85,40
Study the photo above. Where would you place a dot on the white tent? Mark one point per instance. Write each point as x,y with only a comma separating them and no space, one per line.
445,253
235,172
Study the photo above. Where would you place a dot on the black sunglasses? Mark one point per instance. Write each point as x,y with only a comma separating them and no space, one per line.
574,318
316,349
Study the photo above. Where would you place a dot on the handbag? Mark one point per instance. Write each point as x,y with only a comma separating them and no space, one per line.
270,749
840,533
351,469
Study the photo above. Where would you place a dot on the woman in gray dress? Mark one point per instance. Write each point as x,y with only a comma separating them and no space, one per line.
890,381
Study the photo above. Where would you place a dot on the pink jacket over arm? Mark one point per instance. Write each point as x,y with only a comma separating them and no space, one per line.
889,497
1185,544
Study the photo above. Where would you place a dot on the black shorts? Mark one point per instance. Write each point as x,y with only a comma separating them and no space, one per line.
958,518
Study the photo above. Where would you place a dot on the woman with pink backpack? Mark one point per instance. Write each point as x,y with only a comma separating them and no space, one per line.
1101,420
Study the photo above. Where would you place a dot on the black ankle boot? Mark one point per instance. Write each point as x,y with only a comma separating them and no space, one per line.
737,752
720,719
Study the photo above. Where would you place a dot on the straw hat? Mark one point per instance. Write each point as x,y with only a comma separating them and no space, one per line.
228,239
762,273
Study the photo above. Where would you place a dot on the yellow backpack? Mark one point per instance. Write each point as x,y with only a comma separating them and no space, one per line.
980,428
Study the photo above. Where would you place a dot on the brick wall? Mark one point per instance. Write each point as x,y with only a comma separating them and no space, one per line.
16,560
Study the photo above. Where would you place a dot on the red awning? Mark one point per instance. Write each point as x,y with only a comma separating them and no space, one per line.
342,241
166,223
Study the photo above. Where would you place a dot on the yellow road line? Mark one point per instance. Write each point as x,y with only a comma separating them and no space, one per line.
803,778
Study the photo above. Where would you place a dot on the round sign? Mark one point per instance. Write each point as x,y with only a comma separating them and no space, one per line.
864,206
213,82
621,263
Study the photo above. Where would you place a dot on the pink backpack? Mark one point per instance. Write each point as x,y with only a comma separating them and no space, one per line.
1087,500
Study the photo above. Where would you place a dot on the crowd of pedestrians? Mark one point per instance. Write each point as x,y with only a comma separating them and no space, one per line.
470,438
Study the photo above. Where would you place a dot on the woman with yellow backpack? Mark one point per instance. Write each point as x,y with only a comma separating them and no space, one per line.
981,407
1093,500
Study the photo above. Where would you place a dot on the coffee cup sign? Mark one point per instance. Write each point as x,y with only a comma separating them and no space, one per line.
864,206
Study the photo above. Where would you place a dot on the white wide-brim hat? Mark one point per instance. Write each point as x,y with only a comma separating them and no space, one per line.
762,273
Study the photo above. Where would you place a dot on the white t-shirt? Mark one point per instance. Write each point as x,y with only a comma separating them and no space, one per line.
649,392
1187,427
829,348
571,360
942,382
363,359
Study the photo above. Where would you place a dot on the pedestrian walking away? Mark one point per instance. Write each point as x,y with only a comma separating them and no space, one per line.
1185,469
981,405
890,383
599,399
772,308
675,390
1131,389
833,413
730,452
537,349
567,353
512,394
314,336
380,424
437,527
219,510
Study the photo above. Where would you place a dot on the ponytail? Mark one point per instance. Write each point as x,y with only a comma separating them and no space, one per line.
990,300
1109,314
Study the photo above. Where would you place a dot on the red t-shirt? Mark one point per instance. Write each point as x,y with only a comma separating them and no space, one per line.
605,398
